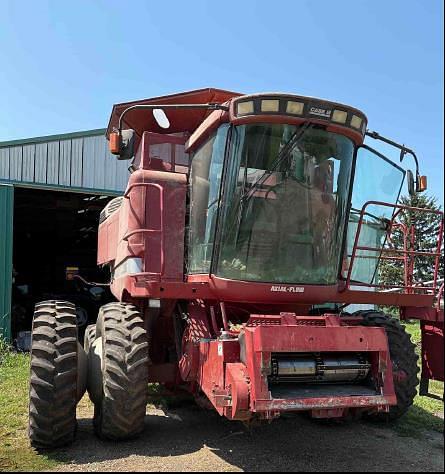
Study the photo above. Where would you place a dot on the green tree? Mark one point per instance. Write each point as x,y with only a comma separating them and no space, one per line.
391,272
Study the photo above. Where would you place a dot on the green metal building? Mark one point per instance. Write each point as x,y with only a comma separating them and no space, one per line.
32,171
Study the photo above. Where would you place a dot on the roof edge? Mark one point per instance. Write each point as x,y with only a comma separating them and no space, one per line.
52,138
168,97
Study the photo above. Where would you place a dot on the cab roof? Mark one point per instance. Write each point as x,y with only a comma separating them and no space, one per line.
181,121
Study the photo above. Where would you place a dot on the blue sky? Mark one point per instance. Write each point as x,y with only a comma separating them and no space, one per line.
64,63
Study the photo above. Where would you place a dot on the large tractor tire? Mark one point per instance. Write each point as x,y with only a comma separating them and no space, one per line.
403,358
89,337
122,346
58,378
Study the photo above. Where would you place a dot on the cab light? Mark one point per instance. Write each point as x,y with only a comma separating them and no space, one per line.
339,116
356,122
245,108
294,108
270,105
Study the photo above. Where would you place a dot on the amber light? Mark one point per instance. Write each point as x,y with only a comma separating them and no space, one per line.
114,143
423,184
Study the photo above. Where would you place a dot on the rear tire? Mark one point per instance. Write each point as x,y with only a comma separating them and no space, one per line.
53,391
403,358
120,413
89,338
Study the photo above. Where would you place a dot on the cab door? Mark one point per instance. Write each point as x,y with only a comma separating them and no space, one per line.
376,179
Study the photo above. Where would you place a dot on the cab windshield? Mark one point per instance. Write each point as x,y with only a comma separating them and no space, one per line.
284,204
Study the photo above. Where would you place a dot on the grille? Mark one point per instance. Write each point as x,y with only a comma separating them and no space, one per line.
276,321
310,322
111,207
270,321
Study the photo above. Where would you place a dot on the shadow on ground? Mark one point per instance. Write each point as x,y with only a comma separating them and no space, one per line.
188,438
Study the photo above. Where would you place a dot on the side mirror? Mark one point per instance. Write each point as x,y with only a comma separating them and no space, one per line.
422,184
411,183
122,145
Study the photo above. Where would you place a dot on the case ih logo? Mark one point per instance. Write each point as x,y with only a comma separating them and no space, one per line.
287,289
326,113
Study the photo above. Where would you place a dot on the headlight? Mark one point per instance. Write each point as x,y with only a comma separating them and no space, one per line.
356,122
245,108
294,108
339,116
270,105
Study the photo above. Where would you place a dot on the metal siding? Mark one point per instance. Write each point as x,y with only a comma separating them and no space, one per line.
4,163
93,163
81,162
40,164
99,163
28,163
6,223
110,164
76,161
65,162
15,163
52,171
122,173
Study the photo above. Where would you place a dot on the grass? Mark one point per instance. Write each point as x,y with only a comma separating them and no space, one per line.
15,451
17,455
423,415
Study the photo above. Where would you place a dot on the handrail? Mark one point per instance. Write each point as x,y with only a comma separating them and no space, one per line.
408,255
440,295
425,285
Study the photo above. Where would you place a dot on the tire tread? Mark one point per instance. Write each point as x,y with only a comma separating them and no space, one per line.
53,375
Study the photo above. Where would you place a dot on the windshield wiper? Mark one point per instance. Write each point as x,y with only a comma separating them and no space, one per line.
282,155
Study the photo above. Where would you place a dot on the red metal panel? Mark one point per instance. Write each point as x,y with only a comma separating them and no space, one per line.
205,287
432,350
239,389
323,403
214,356
424,313
319,339
196,330
237,382
254,292
107,239
151,226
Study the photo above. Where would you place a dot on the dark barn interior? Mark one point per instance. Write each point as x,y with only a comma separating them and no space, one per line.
55,231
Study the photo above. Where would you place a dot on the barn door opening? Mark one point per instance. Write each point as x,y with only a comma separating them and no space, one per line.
54,236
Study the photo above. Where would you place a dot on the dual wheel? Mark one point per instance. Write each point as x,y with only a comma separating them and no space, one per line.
112,365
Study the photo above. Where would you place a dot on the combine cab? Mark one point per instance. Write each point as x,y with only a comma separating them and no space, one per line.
250,234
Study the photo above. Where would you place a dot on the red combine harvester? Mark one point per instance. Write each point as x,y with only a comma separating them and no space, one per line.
248,240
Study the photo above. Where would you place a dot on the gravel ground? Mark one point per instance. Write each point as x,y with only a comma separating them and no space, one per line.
191,439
